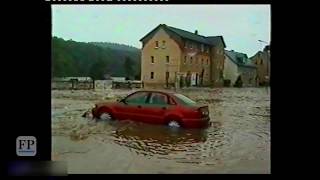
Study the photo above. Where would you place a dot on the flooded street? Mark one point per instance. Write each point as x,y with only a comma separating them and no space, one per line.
237,141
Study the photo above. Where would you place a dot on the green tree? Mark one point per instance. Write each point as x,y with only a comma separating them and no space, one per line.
98,70
71,58
128,67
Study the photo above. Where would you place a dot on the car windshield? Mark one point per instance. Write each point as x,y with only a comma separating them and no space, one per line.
184,99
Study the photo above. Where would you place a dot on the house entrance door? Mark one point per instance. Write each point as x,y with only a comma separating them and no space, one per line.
193,79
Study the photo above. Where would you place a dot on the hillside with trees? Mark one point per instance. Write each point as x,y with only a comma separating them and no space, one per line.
71,58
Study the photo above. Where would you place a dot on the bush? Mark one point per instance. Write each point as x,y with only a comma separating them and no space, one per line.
238,82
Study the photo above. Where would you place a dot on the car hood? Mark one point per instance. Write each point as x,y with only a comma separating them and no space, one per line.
103,103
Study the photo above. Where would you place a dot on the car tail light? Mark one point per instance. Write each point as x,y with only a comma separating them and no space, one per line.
204,111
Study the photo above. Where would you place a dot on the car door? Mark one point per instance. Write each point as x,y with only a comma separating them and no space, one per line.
131,107
157,106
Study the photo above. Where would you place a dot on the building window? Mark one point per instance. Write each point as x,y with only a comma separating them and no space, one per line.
167,59
196,62
157,44
207,49
261,62
202,61
196,46
202,47
152,75
163,44
190,60
152,59
185,60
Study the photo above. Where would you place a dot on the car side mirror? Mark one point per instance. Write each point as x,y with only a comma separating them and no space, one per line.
123,101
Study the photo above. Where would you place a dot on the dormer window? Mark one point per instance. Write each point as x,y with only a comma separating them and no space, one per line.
157,44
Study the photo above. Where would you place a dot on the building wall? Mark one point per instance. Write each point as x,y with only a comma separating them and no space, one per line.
230,71
217,66
160,67
248,76
262,61
191,61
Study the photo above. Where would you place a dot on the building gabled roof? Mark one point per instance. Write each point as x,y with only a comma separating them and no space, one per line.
233,56
211,40
256,54
153,30
215,40
189,35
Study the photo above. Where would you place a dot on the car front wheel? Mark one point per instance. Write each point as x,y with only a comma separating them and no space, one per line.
105,116
174,124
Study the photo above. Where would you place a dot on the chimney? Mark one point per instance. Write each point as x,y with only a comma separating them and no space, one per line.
196,32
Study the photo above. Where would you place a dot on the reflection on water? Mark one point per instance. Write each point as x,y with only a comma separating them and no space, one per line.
148,139
195,146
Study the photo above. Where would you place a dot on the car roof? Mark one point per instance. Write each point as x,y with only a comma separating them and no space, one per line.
157,91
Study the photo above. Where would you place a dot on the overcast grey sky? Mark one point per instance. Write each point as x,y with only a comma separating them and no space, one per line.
240,25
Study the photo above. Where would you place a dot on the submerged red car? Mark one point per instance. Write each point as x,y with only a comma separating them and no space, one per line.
155,107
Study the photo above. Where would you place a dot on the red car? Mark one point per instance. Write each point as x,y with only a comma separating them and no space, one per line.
155,107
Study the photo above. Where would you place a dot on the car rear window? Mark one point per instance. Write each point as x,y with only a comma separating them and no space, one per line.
184,100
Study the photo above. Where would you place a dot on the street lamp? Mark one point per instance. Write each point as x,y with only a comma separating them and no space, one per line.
263,41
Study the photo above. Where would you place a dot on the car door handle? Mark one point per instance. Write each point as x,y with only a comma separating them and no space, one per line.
139,106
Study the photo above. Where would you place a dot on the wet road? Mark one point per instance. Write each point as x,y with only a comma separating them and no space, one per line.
238,141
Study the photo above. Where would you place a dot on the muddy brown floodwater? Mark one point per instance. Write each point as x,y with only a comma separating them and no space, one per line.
238,141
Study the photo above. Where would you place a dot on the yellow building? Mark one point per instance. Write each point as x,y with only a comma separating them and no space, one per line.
262,60
172,55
